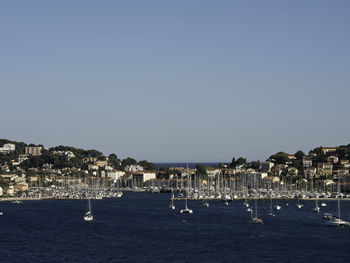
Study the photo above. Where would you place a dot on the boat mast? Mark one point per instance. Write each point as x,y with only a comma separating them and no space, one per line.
338,186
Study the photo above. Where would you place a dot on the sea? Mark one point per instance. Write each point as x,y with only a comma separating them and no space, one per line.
184,165
140,227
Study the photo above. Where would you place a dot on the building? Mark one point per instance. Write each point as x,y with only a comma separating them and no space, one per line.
310,172
139,178
115,174
66,156
307,162
333,159
7,148
328,149
100,163
292,171
33,150
267,166
324,169
134,168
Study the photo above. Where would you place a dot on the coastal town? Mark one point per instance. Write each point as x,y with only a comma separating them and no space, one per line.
33,171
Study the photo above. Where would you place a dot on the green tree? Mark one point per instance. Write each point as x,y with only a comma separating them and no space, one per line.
200,170
299,155
128,161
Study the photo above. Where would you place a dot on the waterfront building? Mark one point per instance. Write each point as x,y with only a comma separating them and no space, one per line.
139,178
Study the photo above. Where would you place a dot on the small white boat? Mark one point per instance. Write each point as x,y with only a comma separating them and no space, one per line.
186,211
17,202
323,204
300,205
249,209
88,215
316,209
1,213
226,203
278,207
119,194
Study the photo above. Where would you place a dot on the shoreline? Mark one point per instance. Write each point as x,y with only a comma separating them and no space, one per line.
9,199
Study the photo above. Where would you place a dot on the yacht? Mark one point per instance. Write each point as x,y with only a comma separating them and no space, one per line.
323,204
88,215
337,221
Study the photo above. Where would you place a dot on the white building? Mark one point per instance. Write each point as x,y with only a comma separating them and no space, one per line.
8,147
134,168
115,174
139,178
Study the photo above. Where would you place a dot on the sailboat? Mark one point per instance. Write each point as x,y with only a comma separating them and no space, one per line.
316,209
186,210
88,215
299,205
255,220
323,204
171,205
337,221
17,202
278,207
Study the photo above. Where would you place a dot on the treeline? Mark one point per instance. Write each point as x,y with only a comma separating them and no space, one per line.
48,157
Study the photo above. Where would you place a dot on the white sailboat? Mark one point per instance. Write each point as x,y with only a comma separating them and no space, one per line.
316,209
278,207
186,210
299,205
337,221
171,205
88,215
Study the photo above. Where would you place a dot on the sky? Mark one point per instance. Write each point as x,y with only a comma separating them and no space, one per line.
176,81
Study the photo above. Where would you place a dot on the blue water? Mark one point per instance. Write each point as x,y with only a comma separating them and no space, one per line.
139,227
184,165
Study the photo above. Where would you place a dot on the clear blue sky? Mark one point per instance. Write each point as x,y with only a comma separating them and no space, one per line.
176,80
